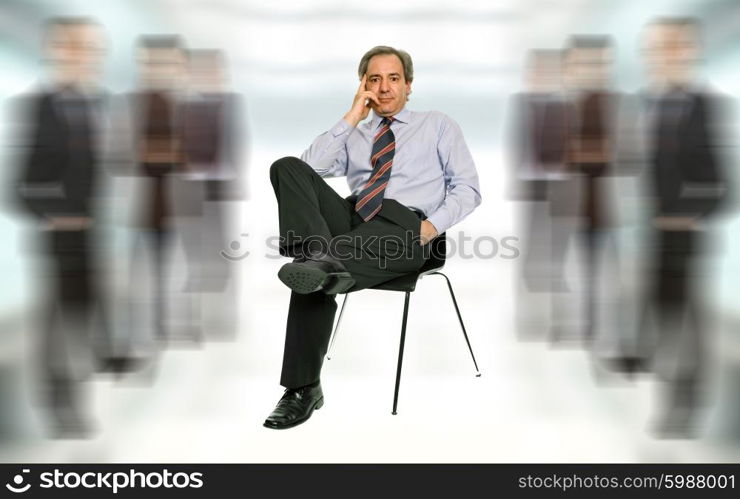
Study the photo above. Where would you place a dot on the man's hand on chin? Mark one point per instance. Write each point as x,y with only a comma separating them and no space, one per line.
362,104
427,232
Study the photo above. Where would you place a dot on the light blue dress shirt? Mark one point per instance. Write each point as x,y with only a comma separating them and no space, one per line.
432,172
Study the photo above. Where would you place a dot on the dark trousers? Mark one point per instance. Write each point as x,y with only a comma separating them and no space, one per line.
74,299
159,240
314,218
678,317
593,240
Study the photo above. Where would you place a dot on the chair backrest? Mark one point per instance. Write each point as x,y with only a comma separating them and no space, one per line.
437,254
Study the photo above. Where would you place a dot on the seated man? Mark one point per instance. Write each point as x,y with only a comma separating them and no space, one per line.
412,178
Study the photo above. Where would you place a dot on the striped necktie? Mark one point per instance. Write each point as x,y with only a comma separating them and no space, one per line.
370,199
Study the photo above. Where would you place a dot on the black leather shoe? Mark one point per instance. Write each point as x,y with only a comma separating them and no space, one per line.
316,273
630,366
120,365
295,407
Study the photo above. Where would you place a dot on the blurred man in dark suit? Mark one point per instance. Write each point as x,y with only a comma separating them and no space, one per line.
58,185
686,187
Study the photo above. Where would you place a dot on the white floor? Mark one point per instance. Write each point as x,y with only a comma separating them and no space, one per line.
532,404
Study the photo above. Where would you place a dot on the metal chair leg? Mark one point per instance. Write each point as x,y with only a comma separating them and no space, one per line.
462,325
400,351
336,328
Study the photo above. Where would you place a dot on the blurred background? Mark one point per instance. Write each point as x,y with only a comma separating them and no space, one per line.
293,65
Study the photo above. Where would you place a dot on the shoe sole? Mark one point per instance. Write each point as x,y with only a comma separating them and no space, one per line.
304,280
318,405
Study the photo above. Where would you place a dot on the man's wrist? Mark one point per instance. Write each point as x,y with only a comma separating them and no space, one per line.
431,227
351,119
439,220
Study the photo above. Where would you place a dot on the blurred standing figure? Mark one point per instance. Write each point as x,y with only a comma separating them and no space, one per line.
149,149
212,145
686,186
538,130
584,206
58,184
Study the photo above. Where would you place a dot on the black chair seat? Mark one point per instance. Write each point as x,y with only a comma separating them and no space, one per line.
407,282
404,283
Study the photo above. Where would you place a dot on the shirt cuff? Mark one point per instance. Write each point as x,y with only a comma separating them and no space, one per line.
340,128
441,220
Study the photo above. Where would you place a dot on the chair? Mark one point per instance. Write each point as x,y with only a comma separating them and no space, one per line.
407,284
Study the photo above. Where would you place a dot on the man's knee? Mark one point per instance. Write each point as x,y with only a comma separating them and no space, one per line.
288,164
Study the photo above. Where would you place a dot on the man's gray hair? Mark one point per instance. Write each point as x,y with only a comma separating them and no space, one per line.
408,65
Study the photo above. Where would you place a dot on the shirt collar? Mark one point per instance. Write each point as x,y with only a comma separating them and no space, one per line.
403,116
685,90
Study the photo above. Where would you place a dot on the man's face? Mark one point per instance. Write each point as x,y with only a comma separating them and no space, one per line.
205,73
76,53
161,67
545,73
385,77
588,67
670,53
